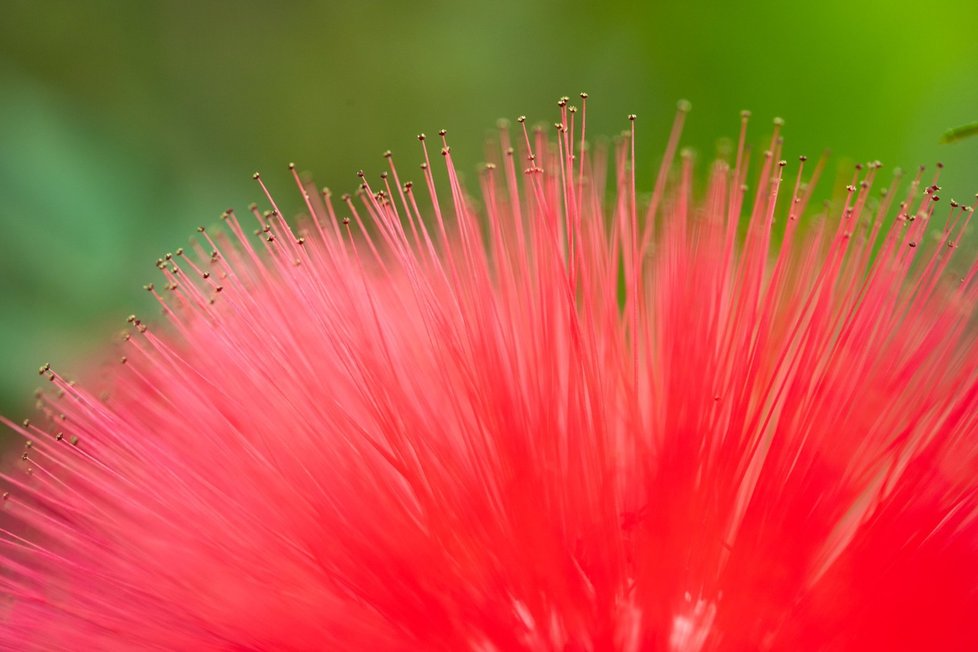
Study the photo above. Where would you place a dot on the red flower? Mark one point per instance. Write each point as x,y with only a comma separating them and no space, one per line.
574,423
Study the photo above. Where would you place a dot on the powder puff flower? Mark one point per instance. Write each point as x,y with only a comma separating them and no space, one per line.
556,415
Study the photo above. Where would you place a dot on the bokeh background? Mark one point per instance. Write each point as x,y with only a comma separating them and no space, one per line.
123,125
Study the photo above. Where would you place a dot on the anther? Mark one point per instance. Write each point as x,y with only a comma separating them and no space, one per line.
683,106
442,132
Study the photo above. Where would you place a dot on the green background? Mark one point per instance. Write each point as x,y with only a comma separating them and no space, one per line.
123,125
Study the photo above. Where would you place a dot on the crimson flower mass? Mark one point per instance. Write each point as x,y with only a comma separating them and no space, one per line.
555,414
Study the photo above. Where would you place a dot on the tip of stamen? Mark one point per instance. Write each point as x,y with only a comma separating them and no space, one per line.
684,106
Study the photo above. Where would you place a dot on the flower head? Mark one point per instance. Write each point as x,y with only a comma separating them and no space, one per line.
550,418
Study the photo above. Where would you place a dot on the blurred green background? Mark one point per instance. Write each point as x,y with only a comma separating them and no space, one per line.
123,125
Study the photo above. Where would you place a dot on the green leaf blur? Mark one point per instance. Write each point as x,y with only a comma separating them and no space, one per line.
123,125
